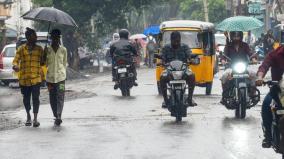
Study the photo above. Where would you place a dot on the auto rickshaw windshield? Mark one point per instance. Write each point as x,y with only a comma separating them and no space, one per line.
190,38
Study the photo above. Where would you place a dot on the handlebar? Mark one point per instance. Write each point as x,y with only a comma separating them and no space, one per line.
270,83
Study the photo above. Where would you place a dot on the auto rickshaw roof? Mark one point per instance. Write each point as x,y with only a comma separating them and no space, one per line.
186,24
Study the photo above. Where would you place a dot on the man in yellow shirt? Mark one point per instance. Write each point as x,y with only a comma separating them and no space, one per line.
28,62
56,61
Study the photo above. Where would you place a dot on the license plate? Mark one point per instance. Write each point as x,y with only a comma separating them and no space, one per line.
178,87
122,70
241,76
178,82
280,112
241,85
91,60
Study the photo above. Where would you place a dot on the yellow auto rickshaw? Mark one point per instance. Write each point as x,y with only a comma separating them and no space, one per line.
199,36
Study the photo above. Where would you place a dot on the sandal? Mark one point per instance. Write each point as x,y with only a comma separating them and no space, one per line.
28,122
57,122
36,124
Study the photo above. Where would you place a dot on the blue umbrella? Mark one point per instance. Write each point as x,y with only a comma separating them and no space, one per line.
152,29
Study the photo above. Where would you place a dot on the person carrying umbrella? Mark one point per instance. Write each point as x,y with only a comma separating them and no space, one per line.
236,50
28,62
55,57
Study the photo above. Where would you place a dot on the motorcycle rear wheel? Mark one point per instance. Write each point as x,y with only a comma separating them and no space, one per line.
125,92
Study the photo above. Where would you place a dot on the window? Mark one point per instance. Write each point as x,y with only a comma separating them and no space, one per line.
190,38
10,52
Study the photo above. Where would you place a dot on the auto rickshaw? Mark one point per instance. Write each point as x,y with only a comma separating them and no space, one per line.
278,31
199,36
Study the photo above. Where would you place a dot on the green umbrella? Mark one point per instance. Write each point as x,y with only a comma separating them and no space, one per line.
239,23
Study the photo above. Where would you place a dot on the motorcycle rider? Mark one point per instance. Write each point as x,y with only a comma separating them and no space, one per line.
123,48
236,49
273,60
177,51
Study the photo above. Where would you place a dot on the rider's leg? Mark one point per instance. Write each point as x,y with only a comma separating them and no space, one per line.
190,79
225,82
114,78
266,121
163,84
135,75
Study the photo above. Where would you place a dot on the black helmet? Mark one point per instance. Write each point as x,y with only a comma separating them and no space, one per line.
236,33
123,34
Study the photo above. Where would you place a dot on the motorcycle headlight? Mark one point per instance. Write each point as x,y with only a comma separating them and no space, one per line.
177,75
240,67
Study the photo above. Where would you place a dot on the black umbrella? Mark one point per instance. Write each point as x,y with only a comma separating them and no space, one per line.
51,15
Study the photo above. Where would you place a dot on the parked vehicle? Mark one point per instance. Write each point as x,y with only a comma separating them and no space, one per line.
125,74
277,128
220,41
87,58
237,96
7,73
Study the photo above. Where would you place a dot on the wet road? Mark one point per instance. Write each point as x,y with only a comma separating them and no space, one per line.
108,126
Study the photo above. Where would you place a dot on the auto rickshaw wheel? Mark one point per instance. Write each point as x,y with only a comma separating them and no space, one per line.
209,88
159,88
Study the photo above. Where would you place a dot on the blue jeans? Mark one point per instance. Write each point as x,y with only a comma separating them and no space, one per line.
266,115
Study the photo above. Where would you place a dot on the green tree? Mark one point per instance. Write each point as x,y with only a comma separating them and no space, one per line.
193,9
108,15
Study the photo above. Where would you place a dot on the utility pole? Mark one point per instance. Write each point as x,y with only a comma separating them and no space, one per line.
267,15
205,4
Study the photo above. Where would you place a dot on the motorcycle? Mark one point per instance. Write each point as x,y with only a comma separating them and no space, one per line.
125,74
277,128
177,86
236,96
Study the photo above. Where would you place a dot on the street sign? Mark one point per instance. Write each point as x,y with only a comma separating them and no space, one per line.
254,8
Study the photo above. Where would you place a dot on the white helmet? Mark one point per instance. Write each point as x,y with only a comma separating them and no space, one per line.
115,36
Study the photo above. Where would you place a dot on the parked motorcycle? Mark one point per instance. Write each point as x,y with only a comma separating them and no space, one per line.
260,52
177,86
240,96
125,74
277,129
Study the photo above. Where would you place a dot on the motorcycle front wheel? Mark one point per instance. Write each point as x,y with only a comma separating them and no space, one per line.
242,106
179,105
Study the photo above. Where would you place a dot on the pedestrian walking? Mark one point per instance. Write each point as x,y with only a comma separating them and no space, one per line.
250,39
151,48
56,61
268,42
27,63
